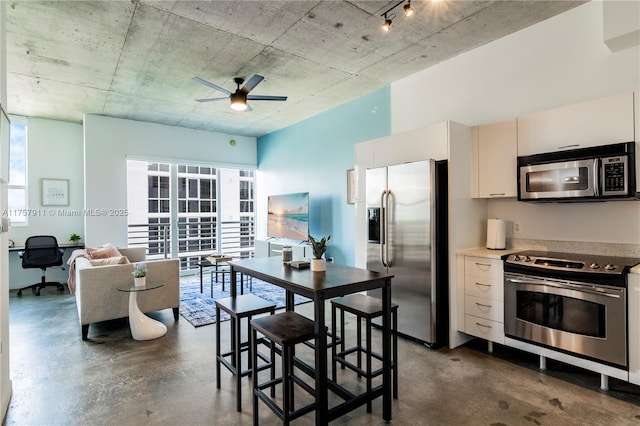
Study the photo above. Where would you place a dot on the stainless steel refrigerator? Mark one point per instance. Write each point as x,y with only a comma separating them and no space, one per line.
407,237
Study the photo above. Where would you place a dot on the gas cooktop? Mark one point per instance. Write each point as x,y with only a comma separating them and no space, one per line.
582,263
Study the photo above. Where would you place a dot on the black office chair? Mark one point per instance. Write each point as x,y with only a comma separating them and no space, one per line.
42,252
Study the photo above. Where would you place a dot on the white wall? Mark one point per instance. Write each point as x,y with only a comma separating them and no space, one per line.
54,151
108,142
557,62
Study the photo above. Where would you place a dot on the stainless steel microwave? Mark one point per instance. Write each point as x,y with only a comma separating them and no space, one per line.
597,173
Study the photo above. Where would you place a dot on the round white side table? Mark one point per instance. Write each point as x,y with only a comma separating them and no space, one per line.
142,326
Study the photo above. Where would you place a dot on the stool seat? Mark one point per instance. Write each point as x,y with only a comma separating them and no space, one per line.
244,305
286,330
239,307
361,305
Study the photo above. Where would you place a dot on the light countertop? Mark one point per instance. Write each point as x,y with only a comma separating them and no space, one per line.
487,253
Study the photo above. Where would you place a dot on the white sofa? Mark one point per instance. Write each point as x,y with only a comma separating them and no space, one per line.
98,298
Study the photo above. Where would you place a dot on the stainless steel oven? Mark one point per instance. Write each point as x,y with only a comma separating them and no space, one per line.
573,303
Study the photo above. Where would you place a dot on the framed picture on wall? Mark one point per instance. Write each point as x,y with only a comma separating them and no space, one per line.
55,192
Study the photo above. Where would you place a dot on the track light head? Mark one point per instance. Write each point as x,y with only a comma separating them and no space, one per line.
387,25
408,10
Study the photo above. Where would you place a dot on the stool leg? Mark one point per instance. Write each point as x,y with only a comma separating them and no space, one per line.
218,347
368,332
394,317
291,356
343,337
273,366
250,358
333,346
237,355
254,345
359,351
286,392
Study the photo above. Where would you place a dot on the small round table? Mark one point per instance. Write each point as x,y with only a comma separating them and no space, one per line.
142,326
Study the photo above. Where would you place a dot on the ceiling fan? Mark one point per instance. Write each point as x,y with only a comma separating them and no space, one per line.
241,95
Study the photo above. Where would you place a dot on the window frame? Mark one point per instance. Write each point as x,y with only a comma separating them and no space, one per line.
16,120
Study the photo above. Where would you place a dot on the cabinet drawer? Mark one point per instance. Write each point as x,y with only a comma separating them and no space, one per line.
483,287
484,308
486,329
491,269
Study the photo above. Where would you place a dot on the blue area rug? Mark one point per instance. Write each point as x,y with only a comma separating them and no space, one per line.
200,308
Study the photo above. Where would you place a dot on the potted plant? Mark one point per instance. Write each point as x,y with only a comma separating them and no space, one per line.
140,274
318,263
74,238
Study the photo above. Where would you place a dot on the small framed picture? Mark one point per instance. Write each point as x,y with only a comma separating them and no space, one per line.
351,186
55,192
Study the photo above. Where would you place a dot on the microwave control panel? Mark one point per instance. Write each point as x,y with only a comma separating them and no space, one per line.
614,175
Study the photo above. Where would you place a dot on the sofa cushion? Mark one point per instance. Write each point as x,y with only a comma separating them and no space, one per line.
105,251
116,260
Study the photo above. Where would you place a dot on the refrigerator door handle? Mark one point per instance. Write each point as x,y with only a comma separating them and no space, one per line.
383,237
387,263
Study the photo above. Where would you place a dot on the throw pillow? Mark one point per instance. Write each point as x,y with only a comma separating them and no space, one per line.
116,260
105,251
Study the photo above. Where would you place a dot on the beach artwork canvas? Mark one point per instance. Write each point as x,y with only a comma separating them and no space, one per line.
288,216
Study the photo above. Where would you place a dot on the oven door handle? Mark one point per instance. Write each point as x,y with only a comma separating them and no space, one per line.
568,286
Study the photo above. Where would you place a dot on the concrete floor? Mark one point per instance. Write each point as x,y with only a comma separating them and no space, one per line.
113,380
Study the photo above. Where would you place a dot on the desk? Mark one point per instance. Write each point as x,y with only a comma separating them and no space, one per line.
142,326
337,280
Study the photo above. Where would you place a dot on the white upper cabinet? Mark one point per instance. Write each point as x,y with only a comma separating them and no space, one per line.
597,122
495,152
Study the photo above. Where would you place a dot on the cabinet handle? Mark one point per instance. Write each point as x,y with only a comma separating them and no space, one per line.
483,325
496,194
569,146
484,306
483,285
483,264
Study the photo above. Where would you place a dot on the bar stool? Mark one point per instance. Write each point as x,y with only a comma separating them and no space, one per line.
363,307
286,330
239,307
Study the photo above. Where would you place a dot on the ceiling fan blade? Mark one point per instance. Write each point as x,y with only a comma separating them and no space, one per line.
252,83
211,85
249,109
213,99
266,98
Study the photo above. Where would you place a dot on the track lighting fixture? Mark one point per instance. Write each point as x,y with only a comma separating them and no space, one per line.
389,17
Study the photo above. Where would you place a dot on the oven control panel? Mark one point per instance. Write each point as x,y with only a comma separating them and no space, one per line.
569,262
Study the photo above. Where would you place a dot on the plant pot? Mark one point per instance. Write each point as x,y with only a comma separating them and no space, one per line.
318,265
140,281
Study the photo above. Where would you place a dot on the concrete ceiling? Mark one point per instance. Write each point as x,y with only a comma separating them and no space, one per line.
136,59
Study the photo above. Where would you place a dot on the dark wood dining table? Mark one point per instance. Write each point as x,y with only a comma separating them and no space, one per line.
336,281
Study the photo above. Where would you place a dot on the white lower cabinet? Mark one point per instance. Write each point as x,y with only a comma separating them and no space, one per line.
483,298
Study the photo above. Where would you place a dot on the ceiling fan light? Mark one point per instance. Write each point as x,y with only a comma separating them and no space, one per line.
238,102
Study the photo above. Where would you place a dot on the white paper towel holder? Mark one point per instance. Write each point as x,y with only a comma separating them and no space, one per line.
496,234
